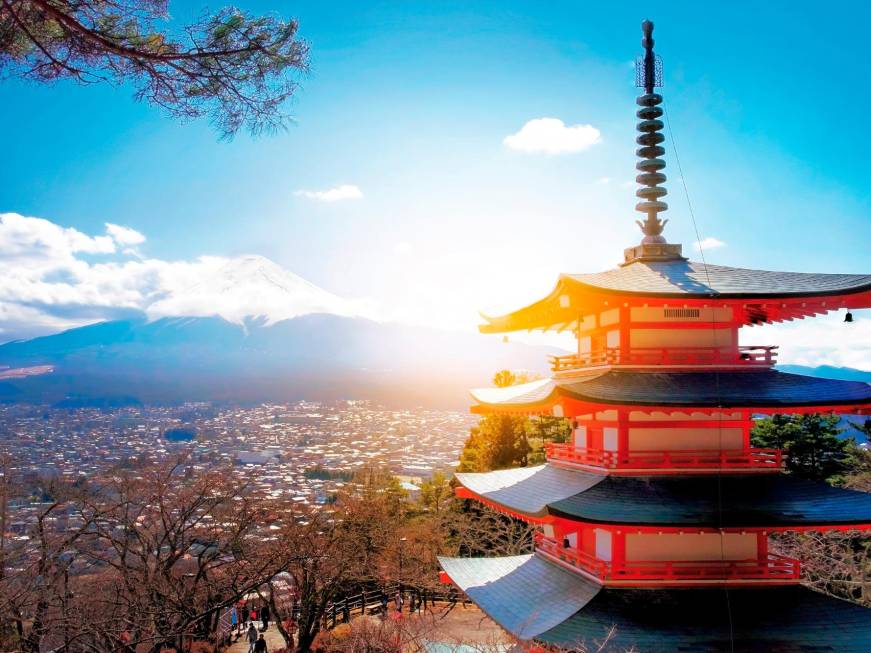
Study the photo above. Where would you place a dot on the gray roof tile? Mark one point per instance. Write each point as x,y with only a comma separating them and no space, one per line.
743,620
730,500
535,599
766,388
528,490
523,594
685,278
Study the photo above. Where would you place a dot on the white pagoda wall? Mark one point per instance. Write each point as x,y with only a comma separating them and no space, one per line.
671,439
691,546
725,338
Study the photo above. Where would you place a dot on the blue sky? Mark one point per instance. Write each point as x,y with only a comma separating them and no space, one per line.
411,103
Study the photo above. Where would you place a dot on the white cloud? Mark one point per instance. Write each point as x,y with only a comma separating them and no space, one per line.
603,180
337,194
36,238
553,136
708,243
124,235
402,248
49,281
811,342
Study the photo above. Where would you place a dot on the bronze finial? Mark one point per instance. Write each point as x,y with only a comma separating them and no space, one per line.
649,76
649,58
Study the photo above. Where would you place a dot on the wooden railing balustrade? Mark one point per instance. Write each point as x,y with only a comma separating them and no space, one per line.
746,355
771,567
750,458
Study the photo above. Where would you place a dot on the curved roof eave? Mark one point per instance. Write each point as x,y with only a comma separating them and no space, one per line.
527,491
731,500
759,620
711,293
683,501
508,321
763,390
525,318
550,593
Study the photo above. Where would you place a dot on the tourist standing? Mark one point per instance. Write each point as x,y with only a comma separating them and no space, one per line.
264,616
260,645
252,637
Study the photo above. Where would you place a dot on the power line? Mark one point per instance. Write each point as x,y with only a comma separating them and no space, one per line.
716,371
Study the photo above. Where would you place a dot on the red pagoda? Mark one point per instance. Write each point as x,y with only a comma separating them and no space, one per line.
655,517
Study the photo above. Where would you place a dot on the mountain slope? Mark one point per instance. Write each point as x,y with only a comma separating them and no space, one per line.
828,372
317,356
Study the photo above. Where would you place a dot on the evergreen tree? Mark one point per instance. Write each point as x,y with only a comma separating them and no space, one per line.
811,443
436,492
497,442
230,65
864,428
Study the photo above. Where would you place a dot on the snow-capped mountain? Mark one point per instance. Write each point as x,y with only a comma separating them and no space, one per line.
315,356
245,329
250,287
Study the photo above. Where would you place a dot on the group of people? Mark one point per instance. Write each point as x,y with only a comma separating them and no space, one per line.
242,616
243,619
256,642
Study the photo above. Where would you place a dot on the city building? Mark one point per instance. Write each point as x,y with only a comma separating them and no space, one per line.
655,518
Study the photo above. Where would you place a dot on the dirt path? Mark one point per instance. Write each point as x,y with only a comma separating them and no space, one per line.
470,626
274,642
459,629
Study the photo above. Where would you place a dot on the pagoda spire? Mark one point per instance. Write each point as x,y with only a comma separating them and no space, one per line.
648,76
651,165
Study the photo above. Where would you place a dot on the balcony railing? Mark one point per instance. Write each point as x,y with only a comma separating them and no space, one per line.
773,567
749,356
751,458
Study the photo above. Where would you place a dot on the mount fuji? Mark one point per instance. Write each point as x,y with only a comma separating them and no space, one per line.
250,331
251,287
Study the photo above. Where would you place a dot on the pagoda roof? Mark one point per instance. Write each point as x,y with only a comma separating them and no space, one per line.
684,281
761,620
681,278
716,501
562,608
745,389
528,490
703,501
550,594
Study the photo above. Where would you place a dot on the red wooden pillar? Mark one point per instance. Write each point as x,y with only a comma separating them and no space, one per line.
624,333
622,433
761,546
618,550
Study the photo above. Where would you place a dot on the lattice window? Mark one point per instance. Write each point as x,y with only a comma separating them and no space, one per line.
681,312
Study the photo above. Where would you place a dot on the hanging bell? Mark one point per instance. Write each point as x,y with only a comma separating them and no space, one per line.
848,317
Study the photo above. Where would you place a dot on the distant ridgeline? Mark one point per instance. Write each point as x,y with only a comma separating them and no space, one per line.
319,357
829,372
